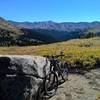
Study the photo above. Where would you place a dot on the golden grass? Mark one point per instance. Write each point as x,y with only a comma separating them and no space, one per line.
85,50
76,47
98,96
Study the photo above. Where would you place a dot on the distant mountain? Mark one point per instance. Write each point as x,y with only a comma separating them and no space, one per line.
47,31
50,25
59,31
34,33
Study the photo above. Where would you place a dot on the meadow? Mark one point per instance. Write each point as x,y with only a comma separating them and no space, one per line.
84,53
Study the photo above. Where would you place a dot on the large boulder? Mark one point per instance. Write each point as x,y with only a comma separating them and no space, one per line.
16,82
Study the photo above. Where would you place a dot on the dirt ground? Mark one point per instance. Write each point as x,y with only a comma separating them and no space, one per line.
80,87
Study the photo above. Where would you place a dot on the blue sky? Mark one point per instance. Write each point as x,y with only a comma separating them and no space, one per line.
55,10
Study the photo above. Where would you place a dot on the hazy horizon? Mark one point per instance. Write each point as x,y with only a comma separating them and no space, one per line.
56,21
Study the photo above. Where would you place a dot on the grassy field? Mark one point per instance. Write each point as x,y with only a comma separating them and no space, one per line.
79,52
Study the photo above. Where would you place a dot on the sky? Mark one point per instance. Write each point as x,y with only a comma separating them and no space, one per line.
46,10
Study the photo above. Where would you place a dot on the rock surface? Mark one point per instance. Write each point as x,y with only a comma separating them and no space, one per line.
15,81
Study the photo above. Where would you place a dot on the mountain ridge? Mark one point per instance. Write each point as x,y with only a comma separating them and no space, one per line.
62,26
